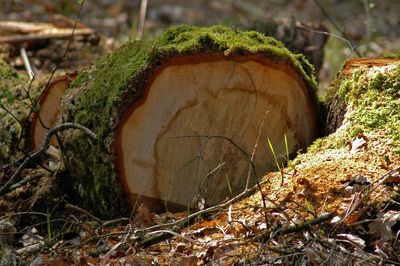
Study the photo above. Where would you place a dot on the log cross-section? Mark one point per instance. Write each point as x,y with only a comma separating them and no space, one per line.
178,119
170,141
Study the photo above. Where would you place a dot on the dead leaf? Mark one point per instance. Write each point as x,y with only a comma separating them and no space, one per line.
382,226
48,261
356,184
354,217
355,240
143,216
359,143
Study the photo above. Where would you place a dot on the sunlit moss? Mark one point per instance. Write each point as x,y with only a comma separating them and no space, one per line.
372,96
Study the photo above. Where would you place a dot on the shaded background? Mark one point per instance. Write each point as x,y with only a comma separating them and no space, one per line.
356,27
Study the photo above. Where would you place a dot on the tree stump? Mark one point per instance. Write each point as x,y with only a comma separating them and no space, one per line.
178,118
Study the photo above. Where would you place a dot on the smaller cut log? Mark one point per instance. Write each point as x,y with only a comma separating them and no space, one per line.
168,113
48,114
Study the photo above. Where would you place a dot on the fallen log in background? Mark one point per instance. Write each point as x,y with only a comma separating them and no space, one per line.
47,115
168,113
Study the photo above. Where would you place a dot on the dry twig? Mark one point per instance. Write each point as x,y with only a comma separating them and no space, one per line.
46,144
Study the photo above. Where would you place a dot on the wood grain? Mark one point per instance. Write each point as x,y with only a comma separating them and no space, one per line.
163,151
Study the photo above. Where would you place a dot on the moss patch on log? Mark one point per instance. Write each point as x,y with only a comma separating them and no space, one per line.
320,179
372,97
100,95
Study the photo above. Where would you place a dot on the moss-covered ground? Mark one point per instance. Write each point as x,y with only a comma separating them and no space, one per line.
13,113
372,117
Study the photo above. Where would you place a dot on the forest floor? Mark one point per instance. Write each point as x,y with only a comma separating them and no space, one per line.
328,206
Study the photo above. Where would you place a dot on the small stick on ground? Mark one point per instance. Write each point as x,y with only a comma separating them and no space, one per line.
46,144
266,234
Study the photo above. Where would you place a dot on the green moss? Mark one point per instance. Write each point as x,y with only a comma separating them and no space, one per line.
356,131
192,40
13,113
6,72
100,95
344,90
373,97
392,55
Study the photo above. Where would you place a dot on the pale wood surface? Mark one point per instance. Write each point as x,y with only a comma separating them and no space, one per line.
159,149
50,104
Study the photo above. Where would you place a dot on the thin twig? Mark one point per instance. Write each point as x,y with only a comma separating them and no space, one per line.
10,113
352,47
62,59
26,180
172,233
242,151
75,208
247,157
142,19
255,147
185,221
293,228
367,23
119,220
333,22
27,63
46,143
22,213
208,176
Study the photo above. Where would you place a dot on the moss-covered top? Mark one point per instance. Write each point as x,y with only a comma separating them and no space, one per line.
392,55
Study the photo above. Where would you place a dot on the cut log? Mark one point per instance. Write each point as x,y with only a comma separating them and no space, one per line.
345,86
50,105
178,119
21,123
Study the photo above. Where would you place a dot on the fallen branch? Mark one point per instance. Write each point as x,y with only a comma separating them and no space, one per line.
161,235
75,208
46,144
267,234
